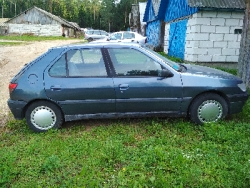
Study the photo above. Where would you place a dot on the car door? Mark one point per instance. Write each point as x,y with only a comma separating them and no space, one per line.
97,34
138,85
79,82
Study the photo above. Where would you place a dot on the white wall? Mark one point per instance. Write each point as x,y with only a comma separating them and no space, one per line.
211,38
36,29
166,38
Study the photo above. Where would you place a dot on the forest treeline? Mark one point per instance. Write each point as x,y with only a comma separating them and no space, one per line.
109,15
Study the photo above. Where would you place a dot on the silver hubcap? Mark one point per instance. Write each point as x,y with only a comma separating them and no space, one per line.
210,111
43,117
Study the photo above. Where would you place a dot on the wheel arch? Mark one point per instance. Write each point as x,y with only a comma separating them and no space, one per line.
38,100
206,92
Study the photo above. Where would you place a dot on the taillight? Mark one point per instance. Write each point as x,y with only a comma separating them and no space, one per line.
12,87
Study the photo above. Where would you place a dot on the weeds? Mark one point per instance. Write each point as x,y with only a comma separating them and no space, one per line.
150,152
10,43
156,152
29,38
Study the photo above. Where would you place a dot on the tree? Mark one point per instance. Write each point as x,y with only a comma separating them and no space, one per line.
244,57
107,14
110,15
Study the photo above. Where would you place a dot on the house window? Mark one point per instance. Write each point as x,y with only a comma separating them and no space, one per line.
237,31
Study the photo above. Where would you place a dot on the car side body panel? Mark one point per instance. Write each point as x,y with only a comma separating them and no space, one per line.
113,96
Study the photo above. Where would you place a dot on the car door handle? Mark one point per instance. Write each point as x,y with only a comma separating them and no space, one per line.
56,88
123,87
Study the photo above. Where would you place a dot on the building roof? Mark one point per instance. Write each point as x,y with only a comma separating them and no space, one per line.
220,4
57,18
2,21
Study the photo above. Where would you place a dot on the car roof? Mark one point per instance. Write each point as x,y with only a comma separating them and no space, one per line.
98,45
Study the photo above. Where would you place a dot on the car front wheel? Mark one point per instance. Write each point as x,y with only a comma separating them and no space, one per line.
207,108
42,116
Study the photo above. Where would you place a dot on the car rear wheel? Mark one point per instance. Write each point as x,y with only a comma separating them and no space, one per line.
42,116
90,39
207,108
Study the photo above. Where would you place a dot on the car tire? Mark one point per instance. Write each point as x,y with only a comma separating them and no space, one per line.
90,39
42,116
207,108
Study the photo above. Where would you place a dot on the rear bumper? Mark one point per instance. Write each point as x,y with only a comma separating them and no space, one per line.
16,107
236,102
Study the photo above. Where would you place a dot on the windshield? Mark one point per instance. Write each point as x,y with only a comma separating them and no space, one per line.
172,64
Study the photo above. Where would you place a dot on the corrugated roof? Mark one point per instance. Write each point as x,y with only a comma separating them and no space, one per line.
2,21
222,4
57,18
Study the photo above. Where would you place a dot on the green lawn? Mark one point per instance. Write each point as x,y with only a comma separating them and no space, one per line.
128,153
151,152
10,43
30,38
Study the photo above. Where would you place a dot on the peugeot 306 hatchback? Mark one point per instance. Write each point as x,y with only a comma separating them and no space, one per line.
113,80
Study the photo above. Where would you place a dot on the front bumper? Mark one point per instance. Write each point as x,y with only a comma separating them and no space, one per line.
17,107
236,102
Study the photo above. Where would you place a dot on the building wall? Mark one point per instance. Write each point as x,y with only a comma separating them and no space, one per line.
213,37
36,29
177,37
153,31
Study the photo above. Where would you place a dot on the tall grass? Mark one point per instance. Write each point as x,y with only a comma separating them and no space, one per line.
30,38
152,152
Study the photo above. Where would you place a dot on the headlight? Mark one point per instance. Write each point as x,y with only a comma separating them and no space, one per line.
242,86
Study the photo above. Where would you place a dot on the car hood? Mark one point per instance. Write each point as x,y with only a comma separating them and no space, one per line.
209,72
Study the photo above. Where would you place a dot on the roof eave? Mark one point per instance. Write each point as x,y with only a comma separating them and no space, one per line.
220,9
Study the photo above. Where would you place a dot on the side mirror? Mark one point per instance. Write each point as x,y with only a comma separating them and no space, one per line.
165,73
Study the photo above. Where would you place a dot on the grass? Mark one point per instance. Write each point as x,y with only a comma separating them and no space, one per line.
30,38
10,43
148,152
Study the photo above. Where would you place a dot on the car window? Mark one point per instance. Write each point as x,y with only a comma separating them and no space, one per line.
80,63
128,35
173,64
104,33
130,62
96,32
116,36
59,68
89,32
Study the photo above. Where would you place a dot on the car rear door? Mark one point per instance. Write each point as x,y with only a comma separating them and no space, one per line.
79,82
138,85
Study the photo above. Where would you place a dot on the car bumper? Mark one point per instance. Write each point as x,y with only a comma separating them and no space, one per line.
236,103
16,107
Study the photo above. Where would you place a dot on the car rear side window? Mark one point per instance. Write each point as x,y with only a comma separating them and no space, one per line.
130,62
96,33
80,63
104,33
59,68
128,35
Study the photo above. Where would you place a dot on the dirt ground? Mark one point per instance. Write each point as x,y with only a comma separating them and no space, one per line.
12,59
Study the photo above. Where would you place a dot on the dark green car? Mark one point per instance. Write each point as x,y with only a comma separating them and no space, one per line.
113,80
